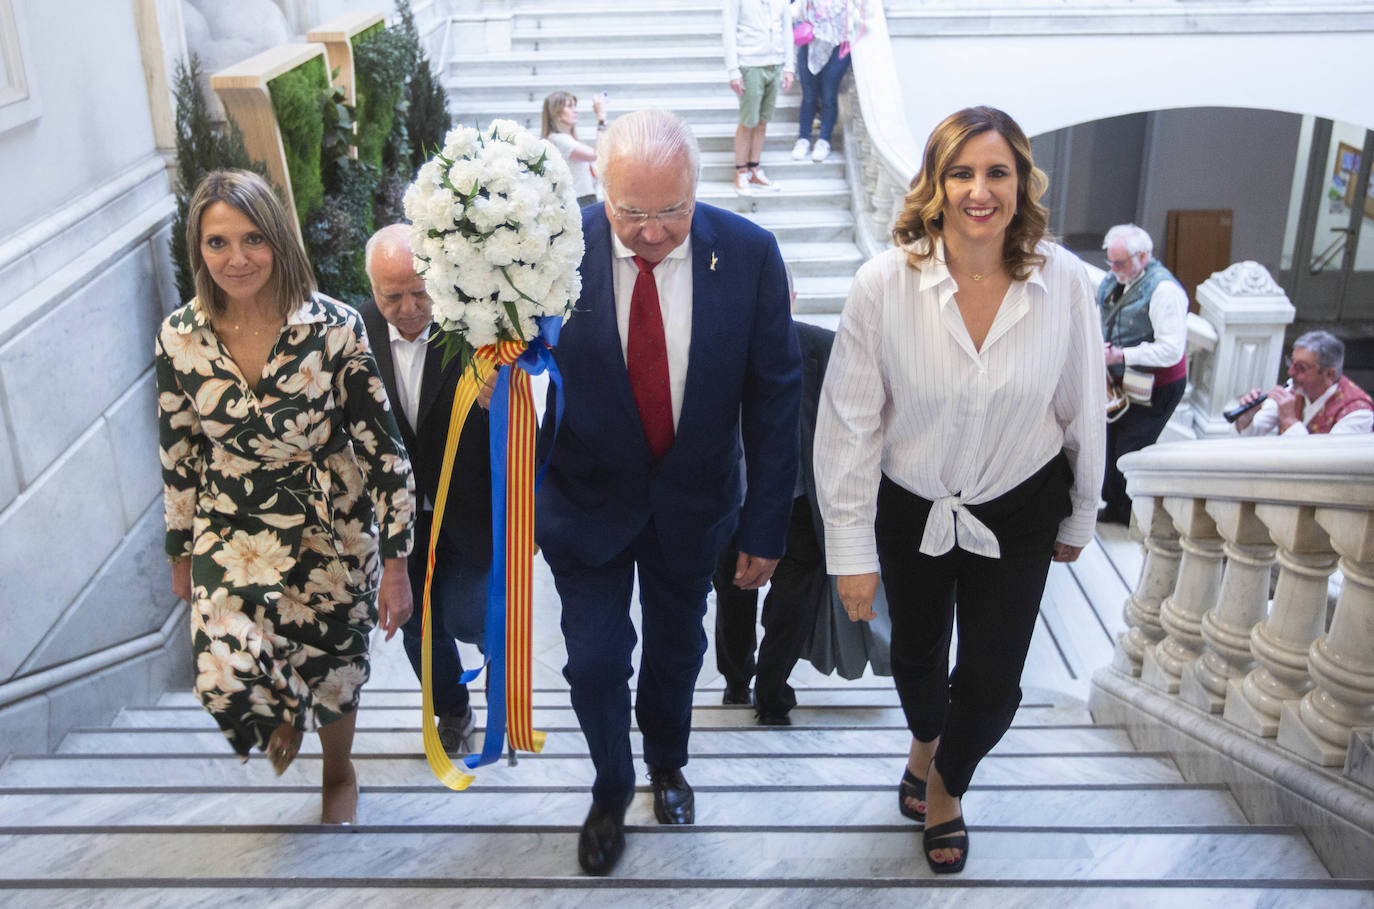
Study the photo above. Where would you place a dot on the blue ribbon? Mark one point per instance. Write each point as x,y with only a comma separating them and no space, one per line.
537,358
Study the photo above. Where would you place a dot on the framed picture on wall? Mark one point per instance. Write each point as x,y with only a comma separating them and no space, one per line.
1343,176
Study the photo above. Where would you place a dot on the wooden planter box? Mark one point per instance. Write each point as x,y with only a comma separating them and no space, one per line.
243,90
337,37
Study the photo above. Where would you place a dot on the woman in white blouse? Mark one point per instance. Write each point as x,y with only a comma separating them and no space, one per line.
558,124
960,447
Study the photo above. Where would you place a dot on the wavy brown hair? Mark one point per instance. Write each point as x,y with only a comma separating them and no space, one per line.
553,106
922,210
292,282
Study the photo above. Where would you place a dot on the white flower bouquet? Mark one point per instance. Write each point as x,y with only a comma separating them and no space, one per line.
497,235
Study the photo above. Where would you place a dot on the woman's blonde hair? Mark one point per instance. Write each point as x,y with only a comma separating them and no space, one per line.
553,106
291,281
922,210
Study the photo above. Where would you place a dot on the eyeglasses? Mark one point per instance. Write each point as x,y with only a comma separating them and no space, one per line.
1298,367
1118,263
673,214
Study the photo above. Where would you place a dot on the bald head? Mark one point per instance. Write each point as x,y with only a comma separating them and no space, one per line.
397,290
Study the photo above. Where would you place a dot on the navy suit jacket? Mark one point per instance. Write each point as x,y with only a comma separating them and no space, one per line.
466,526
743,384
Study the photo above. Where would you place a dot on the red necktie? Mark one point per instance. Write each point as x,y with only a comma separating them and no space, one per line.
646,358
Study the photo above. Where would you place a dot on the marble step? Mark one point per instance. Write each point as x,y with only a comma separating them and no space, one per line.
658,855
822,294
821,259
84,771
814,226
561,716
792,195
753,740
1175,805
615,66
833,696
612,38
670,83
458,893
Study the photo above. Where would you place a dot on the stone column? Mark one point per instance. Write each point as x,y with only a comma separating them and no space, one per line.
1157,578
1241,604
1342,662
1180,615
1249,312
1279,643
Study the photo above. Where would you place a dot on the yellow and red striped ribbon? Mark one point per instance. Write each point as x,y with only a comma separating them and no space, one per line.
519,551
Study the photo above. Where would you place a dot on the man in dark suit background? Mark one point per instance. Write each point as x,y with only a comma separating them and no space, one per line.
681,346
799,590
420,388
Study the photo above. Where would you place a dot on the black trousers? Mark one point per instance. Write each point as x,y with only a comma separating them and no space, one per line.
994,601
1138,427
789,611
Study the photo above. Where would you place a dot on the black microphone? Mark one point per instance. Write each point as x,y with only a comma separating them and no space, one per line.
1235,412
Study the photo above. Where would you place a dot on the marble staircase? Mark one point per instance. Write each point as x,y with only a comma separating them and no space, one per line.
154,811
668,55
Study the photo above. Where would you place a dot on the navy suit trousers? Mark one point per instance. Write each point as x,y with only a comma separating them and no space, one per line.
600,638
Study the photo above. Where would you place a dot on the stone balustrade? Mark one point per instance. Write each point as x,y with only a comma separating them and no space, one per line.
881,157
1216,515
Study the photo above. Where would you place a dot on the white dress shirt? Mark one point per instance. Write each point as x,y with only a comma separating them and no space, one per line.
674,277
908,395
409,360
1169,320
1266,421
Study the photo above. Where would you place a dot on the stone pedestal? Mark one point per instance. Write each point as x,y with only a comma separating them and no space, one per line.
1249,313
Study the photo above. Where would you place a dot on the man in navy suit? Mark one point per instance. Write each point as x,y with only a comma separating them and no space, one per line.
421,388
681,346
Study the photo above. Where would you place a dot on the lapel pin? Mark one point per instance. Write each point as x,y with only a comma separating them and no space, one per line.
713,261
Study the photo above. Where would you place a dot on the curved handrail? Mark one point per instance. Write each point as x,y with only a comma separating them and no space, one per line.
1324,471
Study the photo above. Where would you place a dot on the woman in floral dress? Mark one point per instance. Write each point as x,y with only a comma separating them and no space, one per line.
271,486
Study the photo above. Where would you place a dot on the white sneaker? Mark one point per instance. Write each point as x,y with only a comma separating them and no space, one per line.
820,152
800,150
742,187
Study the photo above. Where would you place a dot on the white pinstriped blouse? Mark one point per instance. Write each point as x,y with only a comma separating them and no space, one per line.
906,393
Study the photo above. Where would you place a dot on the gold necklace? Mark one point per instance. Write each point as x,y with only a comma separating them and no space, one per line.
975,276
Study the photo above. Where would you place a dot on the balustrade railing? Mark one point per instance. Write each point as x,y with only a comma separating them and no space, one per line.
881,157
1216,515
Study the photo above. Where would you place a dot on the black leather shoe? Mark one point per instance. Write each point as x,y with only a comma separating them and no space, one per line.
768,718
602,840
736,695
673,799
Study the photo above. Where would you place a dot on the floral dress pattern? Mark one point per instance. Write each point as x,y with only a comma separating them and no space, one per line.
264,490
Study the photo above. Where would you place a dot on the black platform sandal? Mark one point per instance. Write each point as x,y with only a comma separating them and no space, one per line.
911,788
949,835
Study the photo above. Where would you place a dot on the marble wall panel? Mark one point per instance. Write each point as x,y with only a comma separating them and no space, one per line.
24,727
66,369
53,539
133,433
95,699
129,596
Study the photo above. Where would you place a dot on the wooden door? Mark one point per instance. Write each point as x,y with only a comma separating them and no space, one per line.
1197,243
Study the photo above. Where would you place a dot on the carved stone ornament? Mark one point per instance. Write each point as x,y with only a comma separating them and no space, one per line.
1246,279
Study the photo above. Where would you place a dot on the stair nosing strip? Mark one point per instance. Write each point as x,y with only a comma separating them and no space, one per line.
657,829
580,882
436,787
